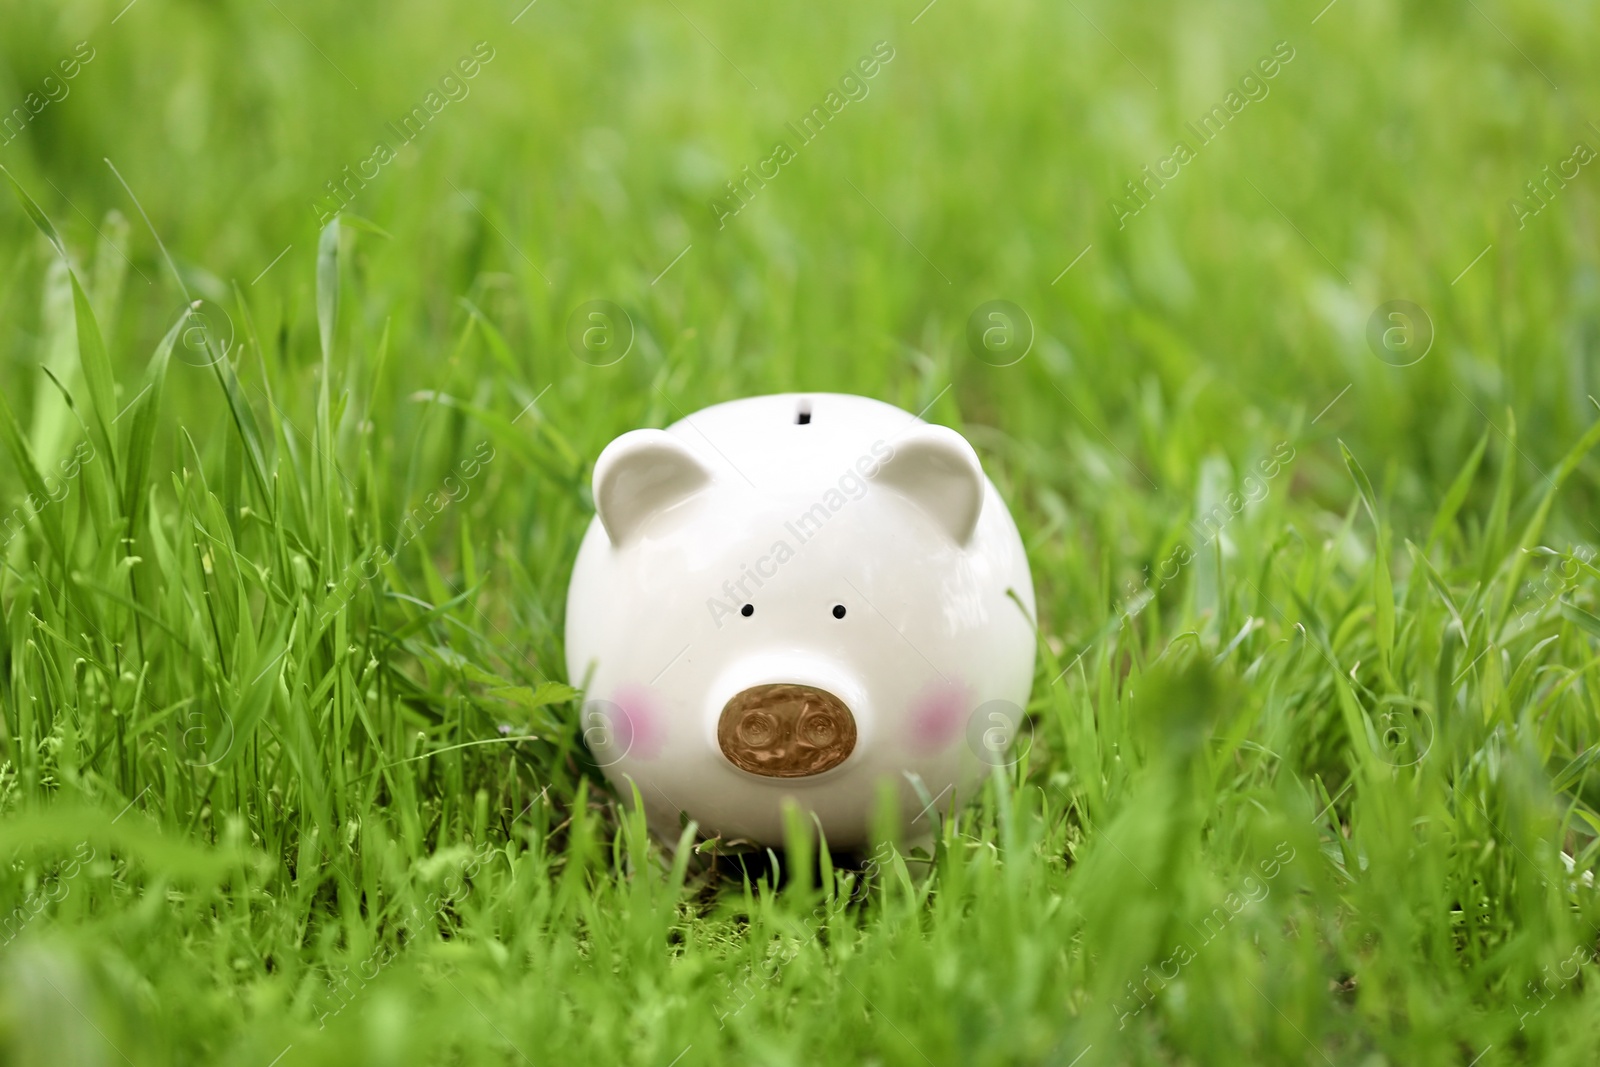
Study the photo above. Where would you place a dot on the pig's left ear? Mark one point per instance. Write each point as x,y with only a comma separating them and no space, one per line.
641,473
935,468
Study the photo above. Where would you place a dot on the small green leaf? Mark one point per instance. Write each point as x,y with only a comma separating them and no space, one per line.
1457,494
1535,526
328,288
22,456
1500,509
1585,621
1420,559
1382,581
1573,771
97,374
356,222
142,432
40,219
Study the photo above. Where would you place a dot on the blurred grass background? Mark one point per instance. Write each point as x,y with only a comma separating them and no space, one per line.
255,807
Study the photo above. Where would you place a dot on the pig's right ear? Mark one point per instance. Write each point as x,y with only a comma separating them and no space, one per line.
640,474
935,468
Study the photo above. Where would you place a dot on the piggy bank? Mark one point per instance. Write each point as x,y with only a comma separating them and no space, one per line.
798,596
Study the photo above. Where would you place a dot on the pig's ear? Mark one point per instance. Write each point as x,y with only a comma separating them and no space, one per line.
935,468
641,473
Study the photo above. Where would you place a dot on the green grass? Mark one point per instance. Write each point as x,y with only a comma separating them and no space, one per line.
289,764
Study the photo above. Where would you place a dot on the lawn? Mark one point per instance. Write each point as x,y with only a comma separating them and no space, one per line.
1293,403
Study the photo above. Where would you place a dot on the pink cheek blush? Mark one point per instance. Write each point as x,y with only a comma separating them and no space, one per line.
938,714
639,728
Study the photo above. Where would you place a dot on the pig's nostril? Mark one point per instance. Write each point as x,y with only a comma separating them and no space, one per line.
818,730
759,723
758,729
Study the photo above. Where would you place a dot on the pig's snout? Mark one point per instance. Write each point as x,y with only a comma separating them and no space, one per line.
786,731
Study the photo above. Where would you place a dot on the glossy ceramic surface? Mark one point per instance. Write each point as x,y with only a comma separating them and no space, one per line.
800,596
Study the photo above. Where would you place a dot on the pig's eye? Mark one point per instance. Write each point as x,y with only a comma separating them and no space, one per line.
838,611
748,610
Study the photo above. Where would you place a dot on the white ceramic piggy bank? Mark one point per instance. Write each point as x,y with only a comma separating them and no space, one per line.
798,596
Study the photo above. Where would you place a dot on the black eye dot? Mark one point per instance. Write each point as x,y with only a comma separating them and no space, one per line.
748,610
838,611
